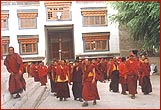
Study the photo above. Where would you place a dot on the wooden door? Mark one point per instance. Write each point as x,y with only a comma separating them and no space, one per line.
61,41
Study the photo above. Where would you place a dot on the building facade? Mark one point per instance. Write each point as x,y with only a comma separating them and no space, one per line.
52,30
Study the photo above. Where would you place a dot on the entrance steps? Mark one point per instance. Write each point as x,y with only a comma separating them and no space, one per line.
28,99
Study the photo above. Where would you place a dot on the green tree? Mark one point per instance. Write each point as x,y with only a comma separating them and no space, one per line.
143,21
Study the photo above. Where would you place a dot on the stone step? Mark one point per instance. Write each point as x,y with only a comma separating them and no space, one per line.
31,87
32,100
5,96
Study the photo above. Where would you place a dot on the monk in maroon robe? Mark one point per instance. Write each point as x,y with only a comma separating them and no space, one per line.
100,71
140,63
32,69
70,69
132,75
62,87
35,72
52,76
109,68
123,75
114,75
145,77
103,68
15,67
89,91
77,81
42,71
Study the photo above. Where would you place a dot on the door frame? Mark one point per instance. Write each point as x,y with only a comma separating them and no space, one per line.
57,28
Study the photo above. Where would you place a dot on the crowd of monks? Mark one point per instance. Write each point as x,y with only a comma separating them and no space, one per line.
83,75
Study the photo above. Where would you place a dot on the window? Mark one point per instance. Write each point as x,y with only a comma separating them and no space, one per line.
94,16
5,45
94,20
28,44
27,23
58,10
4,19
96,41
27,19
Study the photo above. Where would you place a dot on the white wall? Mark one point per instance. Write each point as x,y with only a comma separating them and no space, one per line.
14,28
114,32
76,20
78,30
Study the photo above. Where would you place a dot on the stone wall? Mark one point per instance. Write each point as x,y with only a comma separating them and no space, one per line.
126,42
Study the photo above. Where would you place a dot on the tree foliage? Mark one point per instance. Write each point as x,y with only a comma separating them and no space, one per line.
143,21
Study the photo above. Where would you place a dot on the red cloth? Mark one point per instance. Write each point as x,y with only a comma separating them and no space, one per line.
123,75
70,69
99,72
32,69
62,71
49,71
110,67
132,66
144,70
89,91
122,69
36,75
132,76
14,64
42,71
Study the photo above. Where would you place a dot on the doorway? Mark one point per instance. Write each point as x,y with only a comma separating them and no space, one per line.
60,43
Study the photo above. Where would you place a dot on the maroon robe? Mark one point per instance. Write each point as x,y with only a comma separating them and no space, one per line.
114,84
42,71
103,68
123,76
89,91
77,82
35,73
70,69
32,69
14,64
145,78
132,76
62,87
140,73
110,68
99,72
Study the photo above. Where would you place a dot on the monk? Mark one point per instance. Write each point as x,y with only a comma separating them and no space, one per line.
100,70
109,68
52,76
77,75
31,69
140,63
35,72
70,69
62,87
15,67
145,77
114,75
103,68
123,75
132,75
89,91
42,71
